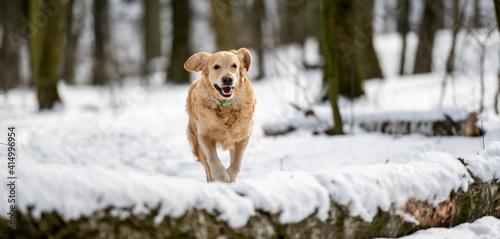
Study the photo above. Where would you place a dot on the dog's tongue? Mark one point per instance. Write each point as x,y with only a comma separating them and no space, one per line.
226,90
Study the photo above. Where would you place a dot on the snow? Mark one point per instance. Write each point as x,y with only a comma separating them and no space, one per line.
273,193
369,188
486,164
363,188
76,191
126,145
483,228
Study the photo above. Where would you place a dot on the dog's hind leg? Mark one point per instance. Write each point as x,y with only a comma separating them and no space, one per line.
236,158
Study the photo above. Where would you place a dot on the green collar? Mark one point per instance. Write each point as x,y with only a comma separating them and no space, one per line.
220,103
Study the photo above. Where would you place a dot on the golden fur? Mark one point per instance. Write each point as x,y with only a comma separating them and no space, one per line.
210,125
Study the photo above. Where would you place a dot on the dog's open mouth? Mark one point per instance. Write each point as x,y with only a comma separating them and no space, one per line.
225,91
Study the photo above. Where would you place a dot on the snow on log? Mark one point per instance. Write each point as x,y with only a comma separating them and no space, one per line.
391,199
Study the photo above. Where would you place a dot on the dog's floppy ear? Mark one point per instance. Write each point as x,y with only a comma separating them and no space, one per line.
197,61
245,58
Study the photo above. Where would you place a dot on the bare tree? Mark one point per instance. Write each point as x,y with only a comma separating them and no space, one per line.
181,21
476,20
224,25
497,12
431,22
293,24
152,37
403,29
46,49
2,11
362,12
101,33
11,40
357,59
331,15
74,29
482,42
458,14
257,15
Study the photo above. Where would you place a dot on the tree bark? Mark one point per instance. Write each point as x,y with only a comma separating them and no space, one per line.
363,36
497,12
181,21
225,27
293,21
46,48
403,29
477,15
2,12
331,71
259,12
431,22
152,36
72,35
11,41
347,49
101,33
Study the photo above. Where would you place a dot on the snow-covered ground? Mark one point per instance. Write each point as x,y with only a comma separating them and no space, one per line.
483,228
126,145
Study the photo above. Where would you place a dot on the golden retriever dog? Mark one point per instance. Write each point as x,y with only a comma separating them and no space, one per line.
220,105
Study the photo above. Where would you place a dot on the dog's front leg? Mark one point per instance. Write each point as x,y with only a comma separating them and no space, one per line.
209,147
236,158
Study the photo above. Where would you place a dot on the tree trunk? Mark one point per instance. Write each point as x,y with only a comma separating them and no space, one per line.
363,38
152,36
431,22
181,21
46,48
2,12
9,53
74,29
293,21
497,12
477,14
403,29
347,48
259,12
331,71
353,38
225,28
101,33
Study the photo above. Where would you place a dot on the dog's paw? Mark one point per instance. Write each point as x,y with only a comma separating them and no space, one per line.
233,177
221,176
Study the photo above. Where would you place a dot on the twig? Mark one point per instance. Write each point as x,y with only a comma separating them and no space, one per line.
482,44
282,160
482,132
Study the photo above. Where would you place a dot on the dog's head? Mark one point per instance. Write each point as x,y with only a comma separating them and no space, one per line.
224,69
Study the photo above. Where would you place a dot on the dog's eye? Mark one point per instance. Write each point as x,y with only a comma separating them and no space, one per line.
234,66
216,67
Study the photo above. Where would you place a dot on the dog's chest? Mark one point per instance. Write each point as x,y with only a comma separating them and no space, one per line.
228,117
232,125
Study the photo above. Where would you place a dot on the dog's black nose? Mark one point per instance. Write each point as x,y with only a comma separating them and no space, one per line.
227,80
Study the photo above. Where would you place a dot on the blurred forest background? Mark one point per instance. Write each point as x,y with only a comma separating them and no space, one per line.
44,42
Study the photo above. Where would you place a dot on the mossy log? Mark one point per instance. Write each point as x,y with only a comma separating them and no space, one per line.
444,127
481,199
